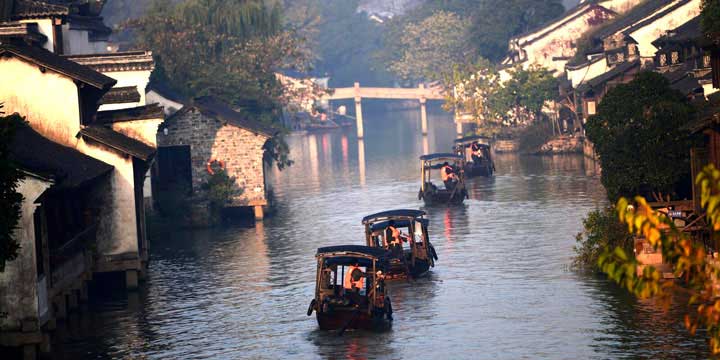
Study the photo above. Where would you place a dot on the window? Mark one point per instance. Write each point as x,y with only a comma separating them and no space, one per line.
674,57
631,49
706,61
591,107
620,57
663,59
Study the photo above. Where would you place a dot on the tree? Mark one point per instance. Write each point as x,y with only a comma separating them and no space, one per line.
492,23
480,93
10,199
224,48
638,134
522,97
710,18
687,258
432,47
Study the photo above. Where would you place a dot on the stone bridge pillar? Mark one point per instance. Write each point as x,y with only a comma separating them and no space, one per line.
358,111
423,116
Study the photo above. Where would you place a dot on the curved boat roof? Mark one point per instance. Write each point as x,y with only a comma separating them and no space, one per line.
471,139
386,215
341,250
440,156
398,223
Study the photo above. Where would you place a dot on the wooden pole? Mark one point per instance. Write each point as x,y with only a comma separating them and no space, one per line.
423,111
358,111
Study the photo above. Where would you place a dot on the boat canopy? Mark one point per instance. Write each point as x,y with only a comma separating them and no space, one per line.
354,254
471,139
398,223
441,156
406,214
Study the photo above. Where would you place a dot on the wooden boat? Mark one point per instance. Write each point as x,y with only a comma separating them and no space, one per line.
416,255
337,307
431,193
482,165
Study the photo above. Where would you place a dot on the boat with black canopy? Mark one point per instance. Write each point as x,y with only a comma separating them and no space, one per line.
350,290
476,150
450,169
405,234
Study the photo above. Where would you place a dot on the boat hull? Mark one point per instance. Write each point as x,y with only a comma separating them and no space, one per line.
399,272
444,197
352,319
472,170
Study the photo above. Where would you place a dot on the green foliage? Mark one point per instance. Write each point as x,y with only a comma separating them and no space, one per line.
224,48
479,92
639,137
343,42
534,136
220,189
492,23
602,230
431,47
710,18
10,199
686,257
524,94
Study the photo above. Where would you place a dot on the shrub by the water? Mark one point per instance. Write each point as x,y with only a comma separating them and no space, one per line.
602,230
531,138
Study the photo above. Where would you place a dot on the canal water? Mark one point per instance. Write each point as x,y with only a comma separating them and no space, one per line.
501,289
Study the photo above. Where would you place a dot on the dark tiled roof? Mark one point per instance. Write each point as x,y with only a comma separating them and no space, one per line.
28,31
119,61
93,24
29,9
166,91
655,17
687,33
212,107
683,81
634,16
58,64
602,79
121,95
118,141
567,16
152,111
37,154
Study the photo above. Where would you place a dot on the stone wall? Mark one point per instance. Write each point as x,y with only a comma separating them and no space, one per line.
562,145
506,146
210,139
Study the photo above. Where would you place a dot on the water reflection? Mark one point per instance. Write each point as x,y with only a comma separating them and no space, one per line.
500,288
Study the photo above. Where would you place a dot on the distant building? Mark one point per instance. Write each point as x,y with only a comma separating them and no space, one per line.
208,132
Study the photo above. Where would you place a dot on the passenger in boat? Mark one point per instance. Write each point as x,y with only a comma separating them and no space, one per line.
394,239
353,278
447,173
476,152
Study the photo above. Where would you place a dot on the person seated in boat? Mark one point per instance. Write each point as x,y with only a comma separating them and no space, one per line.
476,152
353,278
448,176
394,239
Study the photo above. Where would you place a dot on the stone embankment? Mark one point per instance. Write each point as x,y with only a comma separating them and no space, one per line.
563,145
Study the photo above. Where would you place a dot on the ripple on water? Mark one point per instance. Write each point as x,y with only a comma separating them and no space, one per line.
501,289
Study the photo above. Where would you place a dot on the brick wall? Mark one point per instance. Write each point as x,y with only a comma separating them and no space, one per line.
209,138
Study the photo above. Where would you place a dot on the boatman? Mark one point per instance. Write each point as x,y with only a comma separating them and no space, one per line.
394,238
447,173
476,153
353,278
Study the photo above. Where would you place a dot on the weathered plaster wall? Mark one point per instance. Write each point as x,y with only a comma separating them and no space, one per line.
145,131
54,113
241,150
21,274
139,78
620,6
170,106
47,99
647,34
590,71
562,41
45,27
117,231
